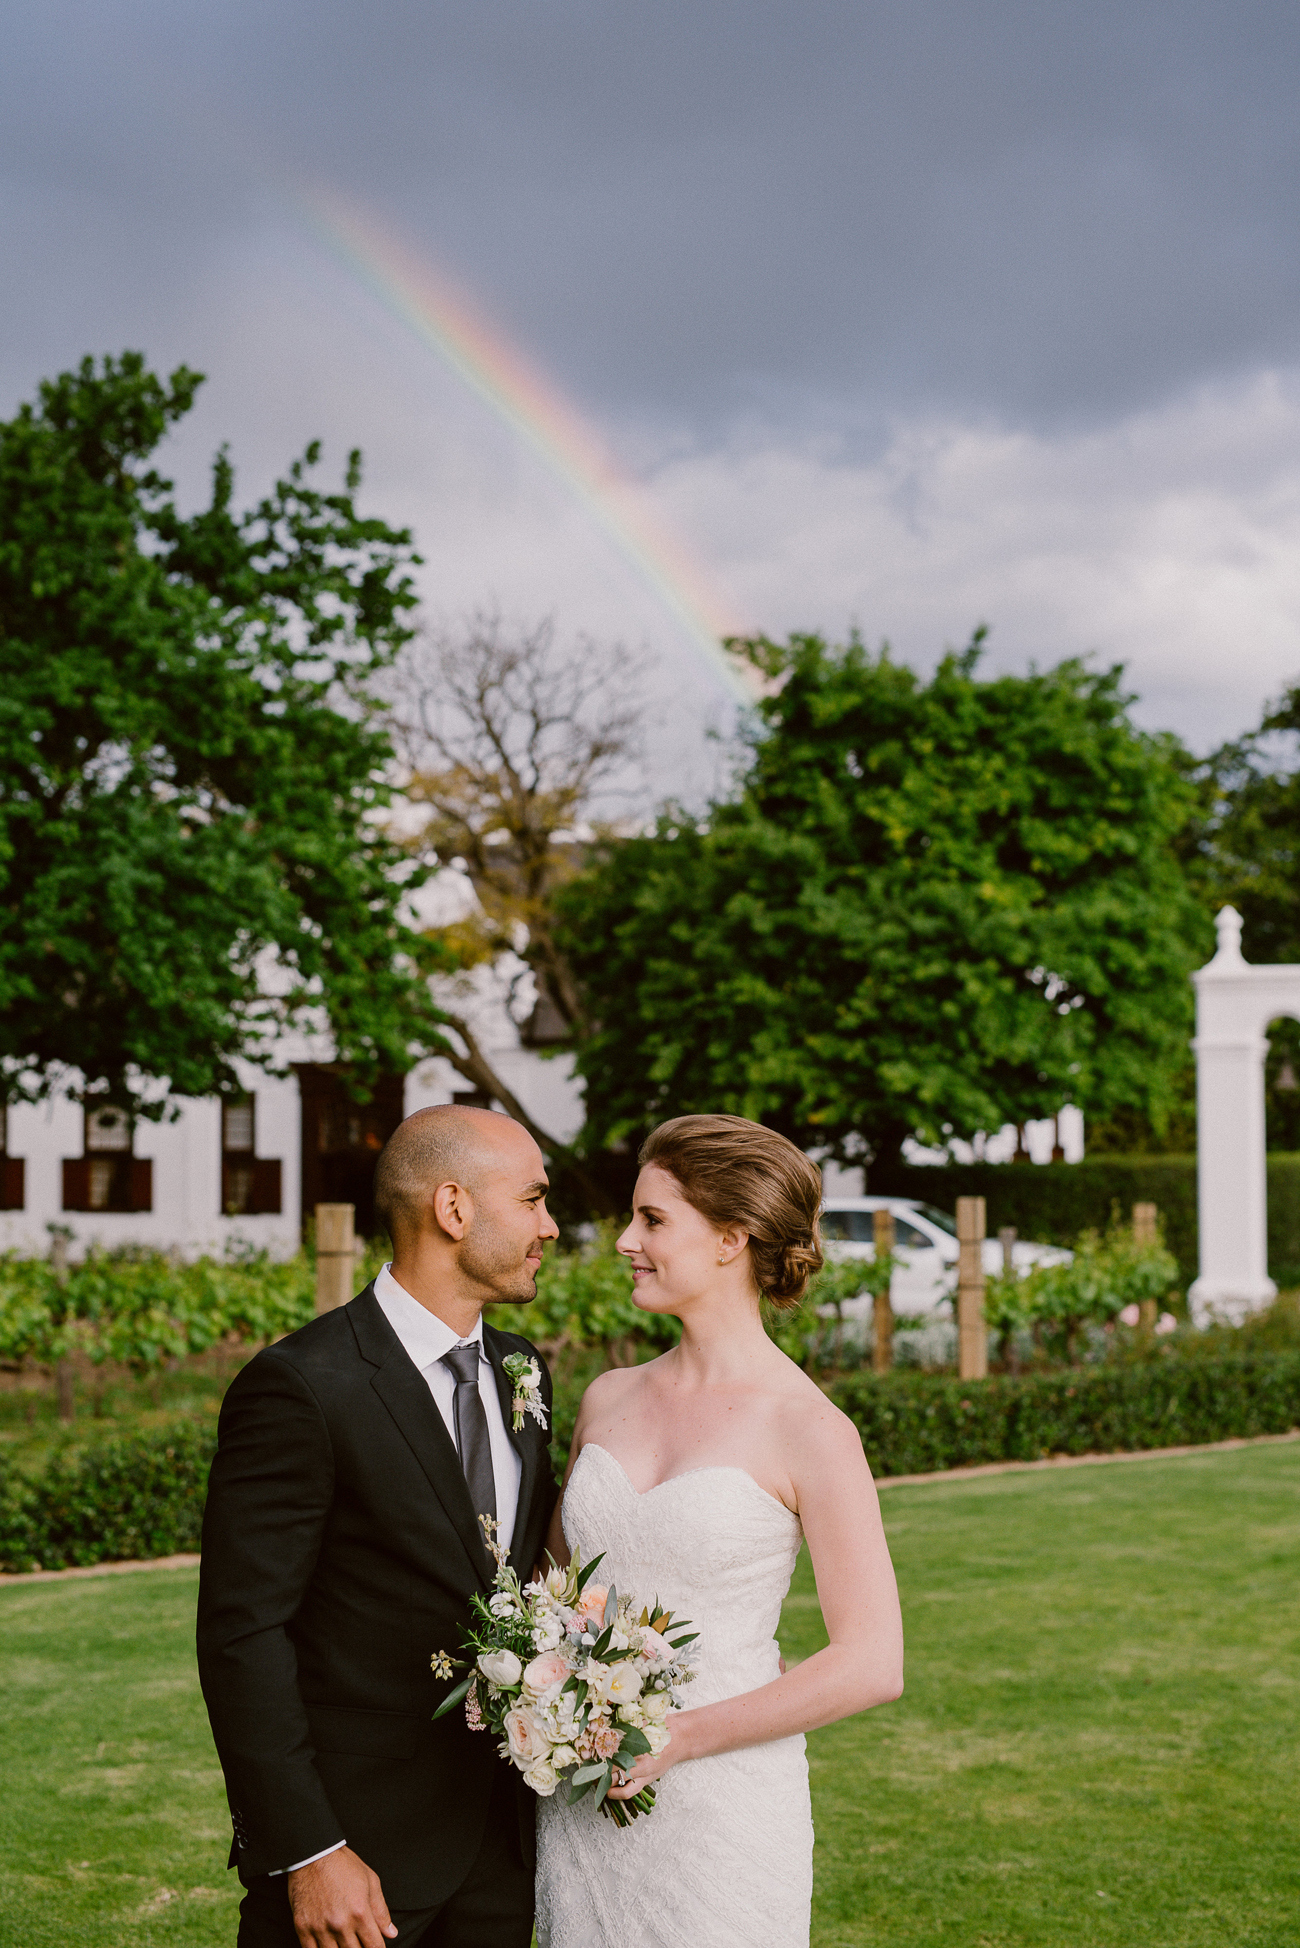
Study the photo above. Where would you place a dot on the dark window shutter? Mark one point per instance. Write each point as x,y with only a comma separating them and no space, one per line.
12,1176
76,1184
142,1183
266,1187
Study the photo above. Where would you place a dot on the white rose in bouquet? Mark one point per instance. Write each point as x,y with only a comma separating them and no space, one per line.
542,1777
501,1667
546,1674
527,1739
656,1705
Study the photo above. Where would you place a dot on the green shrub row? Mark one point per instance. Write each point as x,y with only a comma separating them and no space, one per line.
915,1423
142,1495
139,1496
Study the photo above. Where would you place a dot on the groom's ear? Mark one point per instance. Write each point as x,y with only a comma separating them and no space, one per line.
453,1209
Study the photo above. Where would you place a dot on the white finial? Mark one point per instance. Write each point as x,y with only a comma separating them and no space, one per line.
1228,927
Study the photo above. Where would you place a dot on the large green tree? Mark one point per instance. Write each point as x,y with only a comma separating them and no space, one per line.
927,908
1244,851
191,766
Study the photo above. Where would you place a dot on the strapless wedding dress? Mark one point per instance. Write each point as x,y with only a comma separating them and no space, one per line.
725,1858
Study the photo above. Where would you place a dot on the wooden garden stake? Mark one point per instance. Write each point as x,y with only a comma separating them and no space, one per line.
335,1255
65,1379
972,1335
1145,1233
882,1352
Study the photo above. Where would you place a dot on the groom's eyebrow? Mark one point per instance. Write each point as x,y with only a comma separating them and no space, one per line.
538,1188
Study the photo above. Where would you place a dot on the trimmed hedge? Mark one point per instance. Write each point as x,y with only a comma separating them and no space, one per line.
139,1496
142,1495
1053,1203
917,1423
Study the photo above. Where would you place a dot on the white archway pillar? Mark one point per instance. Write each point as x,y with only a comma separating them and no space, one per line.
1234,1004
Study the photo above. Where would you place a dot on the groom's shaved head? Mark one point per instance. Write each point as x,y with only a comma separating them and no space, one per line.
448,1144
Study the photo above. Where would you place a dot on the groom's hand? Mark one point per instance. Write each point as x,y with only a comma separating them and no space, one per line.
338,1903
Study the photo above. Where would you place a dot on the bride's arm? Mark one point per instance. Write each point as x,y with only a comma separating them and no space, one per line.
863,1663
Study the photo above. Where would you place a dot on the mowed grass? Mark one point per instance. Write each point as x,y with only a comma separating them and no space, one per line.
1097,1745
113,1821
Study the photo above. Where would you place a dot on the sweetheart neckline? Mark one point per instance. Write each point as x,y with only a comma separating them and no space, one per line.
708,1468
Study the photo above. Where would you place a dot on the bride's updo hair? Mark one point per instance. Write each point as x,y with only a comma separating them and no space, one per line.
737,1172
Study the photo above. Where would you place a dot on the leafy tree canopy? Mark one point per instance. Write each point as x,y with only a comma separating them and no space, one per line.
928,908
190,763
1244,851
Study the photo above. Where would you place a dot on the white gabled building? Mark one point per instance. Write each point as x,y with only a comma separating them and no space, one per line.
222,1176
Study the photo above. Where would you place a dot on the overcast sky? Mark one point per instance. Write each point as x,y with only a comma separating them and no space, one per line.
911,317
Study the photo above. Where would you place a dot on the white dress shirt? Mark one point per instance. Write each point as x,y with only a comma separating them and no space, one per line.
425,1339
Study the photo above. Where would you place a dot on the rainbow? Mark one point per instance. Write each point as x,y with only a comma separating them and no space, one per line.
479,354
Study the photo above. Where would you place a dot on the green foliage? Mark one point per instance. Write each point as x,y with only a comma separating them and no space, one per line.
1106,1275
140,1310
1244,849
134,1497
913,1423
584,1298
1056,1204
929,907
190,758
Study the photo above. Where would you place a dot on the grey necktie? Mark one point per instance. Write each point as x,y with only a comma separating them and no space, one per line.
473,1443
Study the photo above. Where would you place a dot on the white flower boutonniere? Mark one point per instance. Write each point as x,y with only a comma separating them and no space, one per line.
526,1380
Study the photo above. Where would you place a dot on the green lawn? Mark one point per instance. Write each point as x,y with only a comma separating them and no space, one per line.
1097,1744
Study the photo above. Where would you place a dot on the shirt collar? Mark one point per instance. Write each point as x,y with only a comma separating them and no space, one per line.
424,1336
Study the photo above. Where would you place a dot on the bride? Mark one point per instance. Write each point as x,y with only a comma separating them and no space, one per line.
699,1474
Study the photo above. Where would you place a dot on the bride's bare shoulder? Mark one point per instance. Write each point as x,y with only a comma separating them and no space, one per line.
609,1393
812,1426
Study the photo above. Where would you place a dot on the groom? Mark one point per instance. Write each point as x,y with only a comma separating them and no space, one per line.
341,1546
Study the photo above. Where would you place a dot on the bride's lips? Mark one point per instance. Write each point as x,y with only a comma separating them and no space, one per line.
641,1271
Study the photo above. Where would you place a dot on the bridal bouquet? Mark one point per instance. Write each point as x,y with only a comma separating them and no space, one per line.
575,1680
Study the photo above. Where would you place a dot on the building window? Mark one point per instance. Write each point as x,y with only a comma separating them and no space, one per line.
342,1138
108,1176
250,1185
12,1169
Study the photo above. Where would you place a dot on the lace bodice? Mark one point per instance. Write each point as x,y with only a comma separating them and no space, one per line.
725,1859
710,1544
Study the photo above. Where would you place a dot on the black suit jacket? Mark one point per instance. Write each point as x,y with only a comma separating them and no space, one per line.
340,1549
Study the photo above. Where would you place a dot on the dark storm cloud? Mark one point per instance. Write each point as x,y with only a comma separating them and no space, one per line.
1045,213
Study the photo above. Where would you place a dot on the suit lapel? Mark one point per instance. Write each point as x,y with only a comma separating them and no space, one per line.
405,1393
524,1445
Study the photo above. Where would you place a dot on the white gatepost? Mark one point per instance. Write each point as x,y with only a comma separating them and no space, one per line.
1234,1004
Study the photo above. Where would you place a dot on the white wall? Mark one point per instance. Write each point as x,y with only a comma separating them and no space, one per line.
186,1157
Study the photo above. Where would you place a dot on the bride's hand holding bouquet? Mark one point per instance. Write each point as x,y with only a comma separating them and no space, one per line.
577,1682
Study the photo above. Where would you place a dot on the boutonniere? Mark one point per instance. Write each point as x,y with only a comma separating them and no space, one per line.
526,1380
